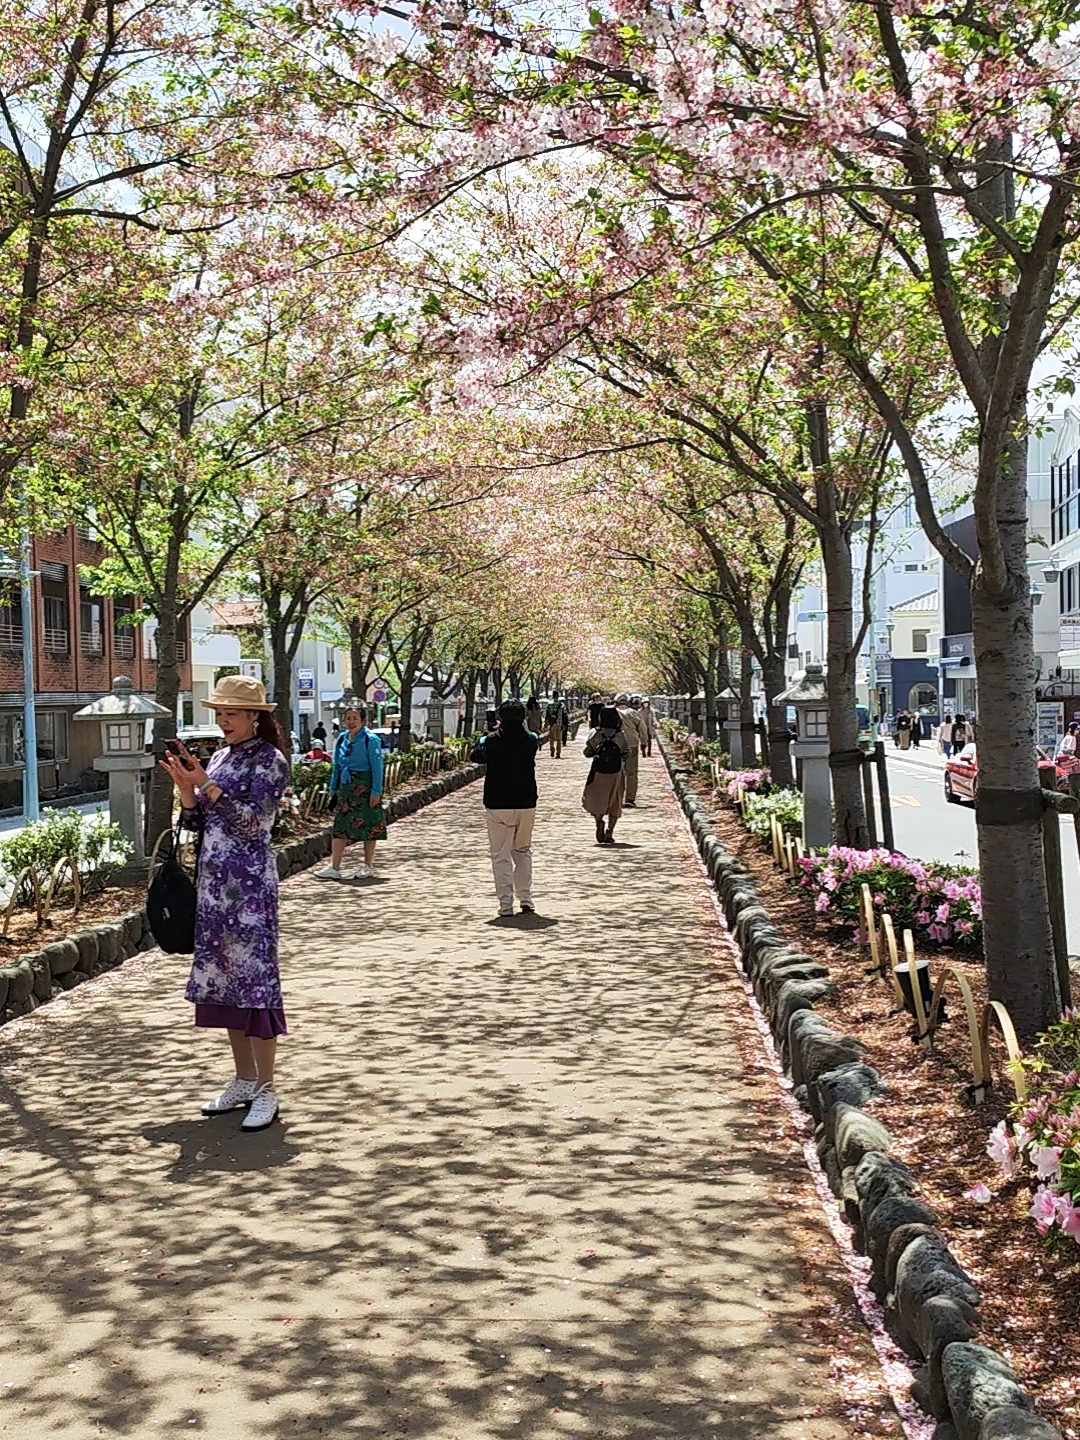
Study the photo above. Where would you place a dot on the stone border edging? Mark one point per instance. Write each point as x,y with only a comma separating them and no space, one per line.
35,978
931,1307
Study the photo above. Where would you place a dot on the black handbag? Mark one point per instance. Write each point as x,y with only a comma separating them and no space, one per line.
170,901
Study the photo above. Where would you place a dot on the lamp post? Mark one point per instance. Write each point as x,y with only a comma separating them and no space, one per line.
122,715
733,726
807,696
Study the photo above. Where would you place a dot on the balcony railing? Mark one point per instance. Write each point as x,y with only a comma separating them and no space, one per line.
10,637
92,642
124,644
54,642
181,650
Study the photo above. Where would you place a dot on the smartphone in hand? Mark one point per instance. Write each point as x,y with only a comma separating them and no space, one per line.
175,748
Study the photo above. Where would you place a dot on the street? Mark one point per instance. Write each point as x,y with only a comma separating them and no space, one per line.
928,828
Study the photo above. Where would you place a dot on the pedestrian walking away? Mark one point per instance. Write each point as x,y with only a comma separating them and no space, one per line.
596,704
356,785
903,730
234,983
557,718
608,748
634,731
318,736
509,753
916,730
534,715
648,719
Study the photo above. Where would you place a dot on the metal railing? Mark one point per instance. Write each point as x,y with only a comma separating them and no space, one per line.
124,644
92,642
55,642
11,637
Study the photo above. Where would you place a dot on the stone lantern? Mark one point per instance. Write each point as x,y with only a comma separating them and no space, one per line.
728,707
808,696
122,715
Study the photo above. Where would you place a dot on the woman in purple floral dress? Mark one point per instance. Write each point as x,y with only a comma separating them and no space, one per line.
234,980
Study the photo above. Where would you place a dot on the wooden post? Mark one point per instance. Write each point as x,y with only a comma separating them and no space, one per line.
1055,885
868,798
887,836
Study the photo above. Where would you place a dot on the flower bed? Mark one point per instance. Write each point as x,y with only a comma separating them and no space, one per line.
1030,1298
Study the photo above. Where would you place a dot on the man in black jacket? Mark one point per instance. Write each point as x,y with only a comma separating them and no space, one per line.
509,753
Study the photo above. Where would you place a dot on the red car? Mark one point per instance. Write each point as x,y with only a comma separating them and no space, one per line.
962,773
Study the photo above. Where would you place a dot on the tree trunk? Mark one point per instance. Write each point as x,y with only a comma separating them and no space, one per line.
497,683
405,736
775,682
1018,940
469,716
159,805
747,730
710,693
845,760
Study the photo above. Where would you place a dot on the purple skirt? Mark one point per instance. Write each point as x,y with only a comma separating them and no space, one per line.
262,1024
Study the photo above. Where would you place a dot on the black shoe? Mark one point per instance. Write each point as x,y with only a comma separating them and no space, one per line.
528,908
629,804
599,832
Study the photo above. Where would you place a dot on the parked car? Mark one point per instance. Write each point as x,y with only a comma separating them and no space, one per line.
201,740
388,738
962,773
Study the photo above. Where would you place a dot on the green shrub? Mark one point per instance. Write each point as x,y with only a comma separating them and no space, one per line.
311,776
785,805
90,840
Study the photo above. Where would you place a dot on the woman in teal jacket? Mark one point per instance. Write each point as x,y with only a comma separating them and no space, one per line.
356,783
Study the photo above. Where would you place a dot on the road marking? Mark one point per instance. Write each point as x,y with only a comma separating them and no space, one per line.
904,800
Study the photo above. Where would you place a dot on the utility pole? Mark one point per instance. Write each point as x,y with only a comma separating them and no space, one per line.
31,807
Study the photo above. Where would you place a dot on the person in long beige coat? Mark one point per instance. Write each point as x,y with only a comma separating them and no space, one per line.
603,796
637,738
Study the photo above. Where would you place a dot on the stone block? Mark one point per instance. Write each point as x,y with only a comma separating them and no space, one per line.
3,986
133,927
87,941
282,859
797,995
849,1204
20,978
822,1050
927,1272
878,1175
110,938
857,1134
73,978
977,1382
849,1085
42,981
899,1240
1013,1422
62,955
894,1211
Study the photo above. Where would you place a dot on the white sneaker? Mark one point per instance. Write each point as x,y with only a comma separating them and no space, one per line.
237,1093
263,1112
328,872
363,872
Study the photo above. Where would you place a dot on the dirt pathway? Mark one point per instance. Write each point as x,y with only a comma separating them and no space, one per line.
519,1190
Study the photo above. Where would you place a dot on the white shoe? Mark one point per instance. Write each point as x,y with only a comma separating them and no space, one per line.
263,1112
328,872
237,1093
363,872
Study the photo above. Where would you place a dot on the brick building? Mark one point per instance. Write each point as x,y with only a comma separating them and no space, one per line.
80,643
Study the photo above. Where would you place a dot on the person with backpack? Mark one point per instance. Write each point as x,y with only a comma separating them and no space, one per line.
609,749
636,739
509,753
356,783
534,716
558,717
234,983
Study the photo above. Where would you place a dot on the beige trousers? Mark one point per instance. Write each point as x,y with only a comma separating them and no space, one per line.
631,768
555,739
510,844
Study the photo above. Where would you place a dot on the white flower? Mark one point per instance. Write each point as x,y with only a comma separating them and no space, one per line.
1046,1159
1000,1148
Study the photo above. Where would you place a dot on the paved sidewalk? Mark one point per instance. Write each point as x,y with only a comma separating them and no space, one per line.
521,1188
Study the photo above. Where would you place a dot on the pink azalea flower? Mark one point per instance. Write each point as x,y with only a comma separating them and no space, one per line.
1043,1209
1068,1216
942,914
1001,1149
981,1193
1047,1161
821,904
964,927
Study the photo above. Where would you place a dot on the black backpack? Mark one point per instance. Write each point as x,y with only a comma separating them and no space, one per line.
170,902
554,714
609,758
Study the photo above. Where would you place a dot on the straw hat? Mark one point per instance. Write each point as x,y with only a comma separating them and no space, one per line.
238,692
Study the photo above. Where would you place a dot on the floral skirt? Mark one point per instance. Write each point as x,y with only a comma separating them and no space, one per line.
355,818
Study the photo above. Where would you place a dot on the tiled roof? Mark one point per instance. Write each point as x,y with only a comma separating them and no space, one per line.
927,601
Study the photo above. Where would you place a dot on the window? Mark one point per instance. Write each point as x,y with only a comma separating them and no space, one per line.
331,659
11,740
909,567
11,631
909,512
91,635
1064,498
920,641
54,638
123,630
52,735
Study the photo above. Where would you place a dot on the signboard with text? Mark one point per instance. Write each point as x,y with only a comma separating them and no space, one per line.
1049,724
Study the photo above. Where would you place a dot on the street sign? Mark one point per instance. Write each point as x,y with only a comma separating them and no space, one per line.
305,683
379,694
810,615
1049,724
252,669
